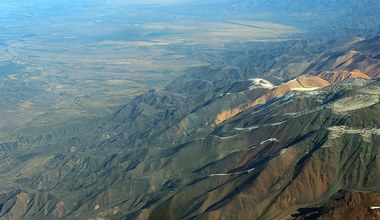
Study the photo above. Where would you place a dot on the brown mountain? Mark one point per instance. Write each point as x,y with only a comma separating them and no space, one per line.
302,83
308,147
337,76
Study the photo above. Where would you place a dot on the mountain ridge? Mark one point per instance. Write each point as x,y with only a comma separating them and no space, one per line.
162,156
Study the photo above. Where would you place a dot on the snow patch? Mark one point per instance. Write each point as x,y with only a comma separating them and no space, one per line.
223,138
260,83
250,148
247,128
230,174
283,151
219,174
375,207
366,134
249,170
355,103
277,123
269,140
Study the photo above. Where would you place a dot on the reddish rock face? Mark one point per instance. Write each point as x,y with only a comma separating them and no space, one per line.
345,205
302,83
337,76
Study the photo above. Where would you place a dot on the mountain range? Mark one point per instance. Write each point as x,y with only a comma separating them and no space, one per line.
215,144
267,130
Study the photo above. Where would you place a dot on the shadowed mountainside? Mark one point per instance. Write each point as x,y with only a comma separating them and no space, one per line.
306,146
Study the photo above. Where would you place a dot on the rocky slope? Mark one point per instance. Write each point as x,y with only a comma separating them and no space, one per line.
345,205
268,171
218,143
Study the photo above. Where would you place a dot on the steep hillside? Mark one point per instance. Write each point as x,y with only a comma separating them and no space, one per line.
302,83
276,159
217,143
345,205
189,109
